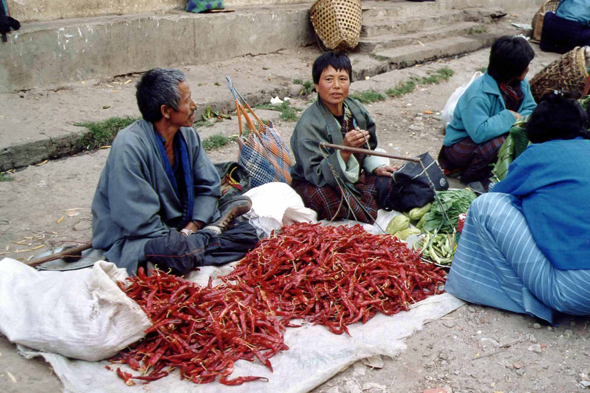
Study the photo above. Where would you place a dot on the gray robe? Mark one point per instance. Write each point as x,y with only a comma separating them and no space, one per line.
317,124
135,200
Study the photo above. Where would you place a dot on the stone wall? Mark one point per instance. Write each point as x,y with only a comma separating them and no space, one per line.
44,10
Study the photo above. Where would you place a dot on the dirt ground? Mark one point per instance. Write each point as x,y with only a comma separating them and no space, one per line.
474,349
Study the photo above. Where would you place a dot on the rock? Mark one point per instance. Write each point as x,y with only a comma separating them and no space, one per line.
585,384
549,328
373,362
450,323
443,356
520,372
537,326
333,389
83,226
536,348
359,369
517,366
373,385
352,387
488,342
295,90
416,127
508,341
532,338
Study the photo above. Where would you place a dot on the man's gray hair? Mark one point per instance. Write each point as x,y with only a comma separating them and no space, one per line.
158,87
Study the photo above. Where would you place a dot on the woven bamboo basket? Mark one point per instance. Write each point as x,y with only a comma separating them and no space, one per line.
537,23
337,23
567,73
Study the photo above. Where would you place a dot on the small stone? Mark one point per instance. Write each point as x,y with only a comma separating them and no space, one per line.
295,90
536,348
537,326
359,369
21,95
450,323
532,338
352,387
333,389
443,356
520,372
585,384
569,332
373,362
416,127
83,226
517,366
508,341
373,385
549,328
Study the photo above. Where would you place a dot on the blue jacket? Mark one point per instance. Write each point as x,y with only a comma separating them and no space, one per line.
481,113
550,184
576,10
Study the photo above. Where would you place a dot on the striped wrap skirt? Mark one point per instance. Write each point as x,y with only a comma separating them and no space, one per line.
498,264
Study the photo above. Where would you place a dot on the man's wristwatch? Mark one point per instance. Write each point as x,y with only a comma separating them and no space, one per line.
187,232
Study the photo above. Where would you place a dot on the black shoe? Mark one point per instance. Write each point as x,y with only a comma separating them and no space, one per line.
477,187
230,209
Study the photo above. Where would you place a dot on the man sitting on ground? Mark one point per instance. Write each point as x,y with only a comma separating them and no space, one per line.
157,197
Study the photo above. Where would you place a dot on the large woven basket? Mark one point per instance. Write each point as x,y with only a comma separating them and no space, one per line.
337,23
537,23
568,73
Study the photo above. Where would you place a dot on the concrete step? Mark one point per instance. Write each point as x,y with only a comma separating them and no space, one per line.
397,9
409,55
409,25
379,43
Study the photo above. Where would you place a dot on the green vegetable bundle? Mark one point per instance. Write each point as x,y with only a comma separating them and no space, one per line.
439,249
454,202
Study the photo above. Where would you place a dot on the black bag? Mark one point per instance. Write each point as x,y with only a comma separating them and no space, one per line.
411,187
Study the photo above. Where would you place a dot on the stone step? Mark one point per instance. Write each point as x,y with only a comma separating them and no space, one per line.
410,25
423,21
399,9
409,55
379,43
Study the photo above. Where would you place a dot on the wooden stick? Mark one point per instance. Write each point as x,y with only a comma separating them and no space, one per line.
74,251
367,152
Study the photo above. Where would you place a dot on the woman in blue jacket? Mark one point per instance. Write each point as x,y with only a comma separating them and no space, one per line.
486,111
567,28
524,247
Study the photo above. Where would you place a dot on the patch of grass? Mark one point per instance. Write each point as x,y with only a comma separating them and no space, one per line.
470,31
102,133
5,177
205,123
297,82
441,74
403,64
401,89
288,113
477,31
368,97
378,57
216,141
308,87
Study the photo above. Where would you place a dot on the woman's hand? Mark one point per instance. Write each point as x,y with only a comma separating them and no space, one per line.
516,115
356,138
386,170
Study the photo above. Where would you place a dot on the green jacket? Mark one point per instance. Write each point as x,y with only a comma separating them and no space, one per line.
317,124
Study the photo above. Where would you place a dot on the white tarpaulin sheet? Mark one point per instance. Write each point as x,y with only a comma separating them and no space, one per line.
314,356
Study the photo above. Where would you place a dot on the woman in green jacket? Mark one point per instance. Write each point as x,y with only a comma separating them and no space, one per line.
338,184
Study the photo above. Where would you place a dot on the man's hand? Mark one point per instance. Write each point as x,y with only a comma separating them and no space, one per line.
386,170
191,228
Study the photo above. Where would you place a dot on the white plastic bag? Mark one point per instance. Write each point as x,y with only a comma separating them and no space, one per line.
274,205
80,314
449,109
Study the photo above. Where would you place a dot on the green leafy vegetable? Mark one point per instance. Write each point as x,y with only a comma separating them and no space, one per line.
454,202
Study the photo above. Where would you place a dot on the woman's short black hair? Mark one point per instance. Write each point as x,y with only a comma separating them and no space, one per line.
509,58
557,116
338,60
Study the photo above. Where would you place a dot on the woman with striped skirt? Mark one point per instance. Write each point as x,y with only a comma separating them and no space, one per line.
525,246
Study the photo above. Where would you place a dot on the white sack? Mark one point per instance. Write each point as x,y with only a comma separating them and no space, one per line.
449,109
81,314
314,356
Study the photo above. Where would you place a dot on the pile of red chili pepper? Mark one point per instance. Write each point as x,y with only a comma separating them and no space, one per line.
201,331
335,276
